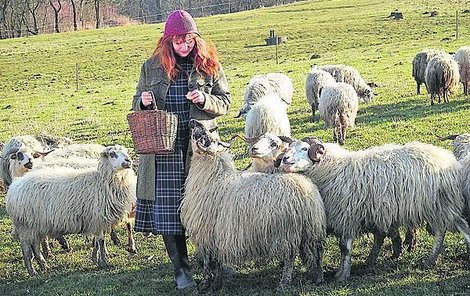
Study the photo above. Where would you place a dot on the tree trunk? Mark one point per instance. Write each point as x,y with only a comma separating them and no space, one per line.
74,12
32,8
56,14
97,13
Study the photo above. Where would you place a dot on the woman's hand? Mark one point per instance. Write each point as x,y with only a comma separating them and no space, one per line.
196,96
147,98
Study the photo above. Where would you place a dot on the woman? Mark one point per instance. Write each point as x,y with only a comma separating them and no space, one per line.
182,76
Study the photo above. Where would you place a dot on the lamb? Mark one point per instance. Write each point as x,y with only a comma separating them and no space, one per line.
262,85
338,107
315,81
57,201
419,64
349,75
232,217
382,188
462,57
264,151
441,77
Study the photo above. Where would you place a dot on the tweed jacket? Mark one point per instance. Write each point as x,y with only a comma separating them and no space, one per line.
153,78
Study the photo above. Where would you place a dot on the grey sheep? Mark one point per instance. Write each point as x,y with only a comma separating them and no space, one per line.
349,75
232,217
419,64
442,77
462,57
382,188
316,80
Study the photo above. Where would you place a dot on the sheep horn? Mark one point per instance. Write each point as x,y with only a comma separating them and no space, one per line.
286,139
450,137
239,115
36,154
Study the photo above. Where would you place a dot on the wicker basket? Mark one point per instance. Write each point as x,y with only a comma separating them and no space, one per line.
153,131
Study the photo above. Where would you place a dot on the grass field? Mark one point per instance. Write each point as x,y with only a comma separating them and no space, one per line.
38,93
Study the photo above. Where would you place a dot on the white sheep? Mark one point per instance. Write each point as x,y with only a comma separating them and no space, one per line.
262,85
57,201
461,145
338,107
462,57
316,80
232,217
442,77
419,64
349,75
382,188
264,151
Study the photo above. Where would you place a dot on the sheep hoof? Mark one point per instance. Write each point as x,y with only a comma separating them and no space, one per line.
132,250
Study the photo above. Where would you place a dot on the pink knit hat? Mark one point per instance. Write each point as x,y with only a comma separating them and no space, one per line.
179,22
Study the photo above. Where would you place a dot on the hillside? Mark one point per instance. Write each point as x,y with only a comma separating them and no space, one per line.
38,93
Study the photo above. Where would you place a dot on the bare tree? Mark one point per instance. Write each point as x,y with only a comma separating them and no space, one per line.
56,13
97,13
74,15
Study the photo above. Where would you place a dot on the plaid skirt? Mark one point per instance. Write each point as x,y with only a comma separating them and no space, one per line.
161,216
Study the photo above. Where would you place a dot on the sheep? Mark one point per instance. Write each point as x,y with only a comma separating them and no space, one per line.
466,183
441,77
419,63
382,188
314,83
461,145
57,201
262,85
232,217
264,151
17,157
349,75
92,151
338,106
462,57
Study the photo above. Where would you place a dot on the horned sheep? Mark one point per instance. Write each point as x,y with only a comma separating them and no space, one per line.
232,217
349,75
382,188
419,64
338,107
462,57
316,80
442,77
57,201
262,85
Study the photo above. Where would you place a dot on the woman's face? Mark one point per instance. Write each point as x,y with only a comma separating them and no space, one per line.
183,46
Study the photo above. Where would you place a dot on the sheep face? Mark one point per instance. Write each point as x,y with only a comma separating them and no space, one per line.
21,161
302,155
267,146
367,95
118,157
202,141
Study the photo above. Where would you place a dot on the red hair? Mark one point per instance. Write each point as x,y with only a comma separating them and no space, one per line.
204,55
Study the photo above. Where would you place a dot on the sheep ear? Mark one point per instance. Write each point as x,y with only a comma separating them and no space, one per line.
311,140
104,154
286,139
224,144
316,152
13,156
277,162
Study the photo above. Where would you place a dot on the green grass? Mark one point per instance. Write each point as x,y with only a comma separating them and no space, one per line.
38,94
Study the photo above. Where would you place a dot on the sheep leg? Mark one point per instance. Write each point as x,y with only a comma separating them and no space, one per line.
432,99
418,86
287,272
28,257
211,277
64,244
314,108
94,251
46,250
463,227
436,249
379,238
102,251
397,245
410,238
344,272
38,256
114,237
446,97
130,239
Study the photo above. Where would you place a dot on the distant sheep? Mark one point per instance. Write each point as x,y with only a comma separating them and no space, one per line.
59,201
442,77
349,75
338,107
262,85
316,80
382,188
419,64
232,217
462,57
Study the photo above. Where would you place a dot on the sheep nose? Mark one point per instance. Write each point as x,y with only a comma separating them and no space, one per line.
29,165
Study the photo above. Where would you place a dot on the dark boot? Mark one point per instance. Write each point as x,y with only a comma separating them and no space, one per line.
176,247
